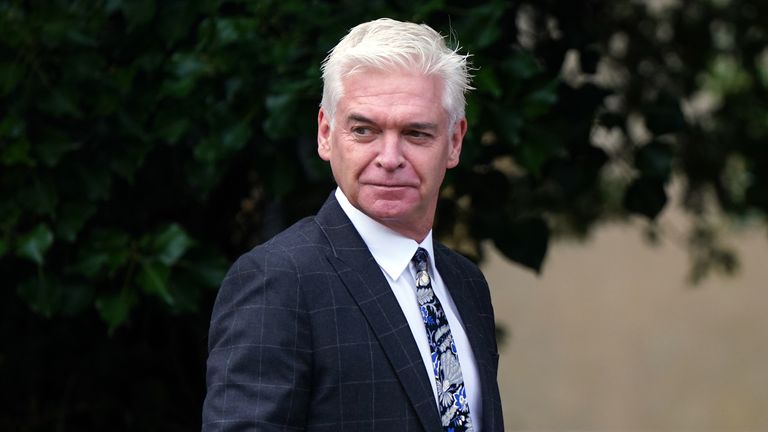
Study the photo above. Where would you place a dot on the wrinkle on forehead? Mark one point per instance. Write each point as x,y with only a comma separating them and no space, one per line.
404,98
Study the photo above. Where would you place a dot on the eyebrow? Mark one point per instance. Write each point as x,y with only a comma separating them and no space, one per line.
354,117
358,118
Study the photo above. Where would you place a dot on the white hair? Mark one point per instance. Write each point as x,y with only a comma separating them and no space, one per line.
388,45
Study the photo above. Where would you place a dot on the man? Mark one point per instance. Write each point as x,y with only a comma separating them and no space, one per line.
353,319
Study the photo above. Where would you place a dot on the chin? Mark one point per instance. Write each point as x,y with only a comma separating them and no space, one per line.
387,211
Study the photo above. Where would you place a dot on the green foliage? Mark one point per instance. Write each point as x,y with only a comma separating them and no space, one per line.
34,244
145,144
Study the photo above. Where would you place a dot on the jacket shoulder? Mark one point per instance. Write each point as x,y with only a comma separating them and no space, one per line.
459,261
273,267
304,241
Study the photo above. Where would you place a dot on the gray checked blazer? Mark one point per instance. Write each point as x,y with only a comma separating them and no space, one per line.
306,334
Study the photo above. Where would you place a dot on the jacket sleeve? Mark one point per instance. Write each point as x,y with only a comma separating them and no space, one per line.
259,353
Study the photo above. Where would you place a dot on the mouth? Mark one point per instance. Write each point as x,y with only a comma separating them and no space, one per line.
390,186
388,182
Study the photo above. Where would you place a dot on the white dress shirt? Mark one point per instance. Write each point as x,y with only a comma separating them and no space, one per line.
393,252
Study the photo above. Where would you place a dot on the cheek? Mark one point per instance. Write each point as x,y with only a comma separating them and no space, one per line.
430,167
350,162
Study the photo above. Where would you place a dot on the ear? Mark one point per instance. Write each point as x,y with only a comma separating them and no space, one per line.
323,135
455,141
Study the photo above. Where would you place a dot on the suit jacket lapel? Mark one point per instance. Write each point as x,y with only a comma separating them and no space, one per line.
478,337
367,285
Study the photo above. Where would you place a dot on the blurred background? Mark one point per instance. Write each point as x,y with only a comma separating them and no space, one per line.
612,336
613,186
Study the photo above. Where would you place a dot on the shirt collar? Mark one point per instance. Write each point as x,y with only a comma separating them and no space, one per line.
391,250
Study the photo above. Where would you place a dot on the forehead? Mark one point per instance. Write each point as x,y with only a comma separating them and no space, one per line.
388,94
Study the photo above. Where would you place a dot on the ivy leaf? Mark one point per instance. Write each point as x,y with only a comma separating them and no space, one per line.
53,146
40,197
61,102
90,264
524,241
114,309
235,137
72,218
541,101
521,65
646,196
128,160
12,126
280,121
15,148
483,24
589,58
41,295
487,81
222,145
170,126
76,299
168,245
10,75
16,153
103,254
612,120
48,296
283,177
153,279
35,243
185,69
655,161
137,12
537,147
665,117
96,181
510,125
208,271
10,214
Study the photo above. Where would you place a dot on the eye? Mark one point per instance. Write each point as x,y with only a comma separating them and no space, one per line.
362,131
418,135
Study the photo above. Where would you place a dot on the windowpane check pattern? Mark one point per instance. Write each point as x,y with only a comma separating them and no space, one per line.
451,394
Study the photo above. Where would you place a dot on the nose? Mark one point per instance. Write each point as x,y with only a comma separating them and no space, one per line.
390,155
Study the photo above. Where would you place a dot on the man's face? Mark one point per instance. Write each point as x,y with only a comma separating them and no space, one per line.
389,147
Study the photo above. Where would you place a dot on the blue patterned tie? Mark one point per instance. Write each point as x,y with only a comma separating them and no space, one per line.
451,394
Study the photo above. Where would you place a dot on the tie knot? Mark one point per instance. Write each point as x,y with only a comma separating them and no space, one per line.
420,257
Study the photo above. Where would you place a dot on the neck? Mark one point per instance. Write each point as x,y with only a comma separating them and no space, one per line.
415,233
